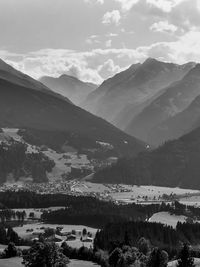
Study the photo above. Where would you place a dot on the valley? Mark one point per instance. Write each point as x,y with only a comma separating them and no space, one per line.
100,133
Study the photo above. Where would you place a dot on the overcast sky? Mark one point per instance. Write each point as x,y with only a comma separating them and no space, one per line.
94,39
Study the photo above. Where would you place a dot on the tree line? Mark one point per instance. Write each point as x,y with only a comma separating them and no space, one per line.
89,210
165,237
43,254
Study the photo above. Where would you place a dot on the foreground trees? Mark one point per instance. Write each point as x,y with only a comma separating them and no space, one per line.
45,255
157,258
185,257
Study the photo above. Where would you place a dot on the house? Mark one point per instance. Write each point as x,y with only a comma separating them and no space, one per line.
87,239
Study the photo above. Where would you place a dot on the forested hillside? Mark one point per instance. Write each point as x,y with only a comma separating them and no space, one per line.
176,163
16,162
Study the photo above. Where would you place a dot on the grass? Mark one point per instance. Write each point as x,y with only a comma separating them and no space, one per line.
16,262
12,262
166,218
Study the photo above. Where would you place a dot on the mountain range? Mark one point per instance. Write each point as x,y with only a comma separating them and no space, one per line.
28,104
122,97
181,123
161,102
153,123
69,86
10,74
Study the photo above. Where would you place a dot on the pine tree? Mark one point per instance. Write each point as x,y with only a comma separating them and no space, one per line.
157,258
185,257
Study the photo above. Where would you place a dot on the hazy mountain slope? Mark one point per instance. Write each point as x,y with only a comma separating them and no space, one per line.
22,107
141,84
10,74
69,86
175,99
184,121
93,98
176,163
124,118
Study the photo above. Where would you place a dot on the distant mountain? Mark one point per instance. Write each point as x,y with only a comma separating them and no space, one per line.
186,120
12,75
125,117
173,100
127,92
69,86
92,101
175,164
50,114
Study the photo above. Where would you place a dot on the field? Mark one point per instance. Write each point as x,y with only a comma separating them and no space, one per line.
131,193
63,161
168,219
16,262
2,247
174,263
36,229
191,200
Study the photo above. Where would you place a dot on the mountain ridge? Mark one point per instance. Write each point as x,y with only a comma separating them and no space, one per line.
174,99
69,86
141,83
174,164
24,107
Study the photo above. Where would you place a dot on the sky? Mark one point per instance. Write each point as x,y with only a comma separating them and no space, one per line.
94,39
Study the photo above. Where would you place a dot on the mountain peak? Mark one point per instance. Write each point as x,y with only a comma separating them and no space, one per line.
151,60
67,76
5,67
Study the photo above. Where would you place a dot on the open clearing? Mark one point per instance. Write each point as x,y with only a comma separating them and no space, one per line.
2,247
61,159
167,219
174,263
16,262
21,230
191,201
36,230
130,193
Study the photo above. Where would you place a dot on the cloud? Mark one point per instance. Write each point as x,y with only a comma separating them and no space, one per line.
92,66
108,43
163,26
93,39
99,64
95,1
108,67
127,4
111,17
112,34
165,5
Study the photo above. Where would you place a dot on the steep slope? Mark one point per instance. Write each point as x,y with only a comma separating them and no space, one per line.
175,99
184,121
10,74
176,163
124,118
69,86
141,83
22,107
93,99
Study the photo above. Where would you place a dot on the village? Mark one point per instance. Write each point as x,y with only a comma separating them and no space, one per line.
117,193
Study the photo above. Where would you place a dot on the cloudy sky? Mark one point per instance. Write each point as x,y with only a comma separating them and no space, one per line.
94,39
